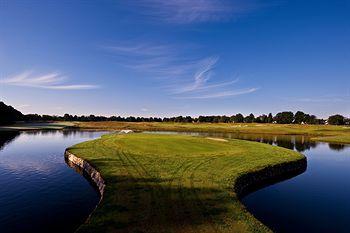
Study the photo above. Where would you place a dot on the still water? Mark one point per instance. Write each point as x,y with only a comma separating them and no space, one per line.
318,200
315,201
38,191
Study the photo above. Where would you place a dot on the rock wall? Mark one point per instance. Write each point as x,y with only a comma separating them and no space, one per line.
88,169
252,181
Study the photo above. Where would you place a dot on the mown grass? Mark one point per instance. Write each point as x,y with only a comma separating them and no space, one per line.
174,183
341,139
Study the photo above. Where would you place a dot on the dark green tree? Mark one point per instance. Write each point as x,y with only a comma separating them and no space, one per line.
299,117
239,118
336,120
8,114
249,119
284,117
270,118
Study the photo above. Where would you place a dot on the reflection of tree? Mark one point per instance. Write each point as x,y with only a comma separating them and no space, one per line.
302,146
7,137
337,147
286,144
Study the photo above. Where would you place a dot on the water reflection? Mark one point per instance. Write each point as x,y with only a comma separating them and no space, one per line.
299,143
6,137
337,147
38,190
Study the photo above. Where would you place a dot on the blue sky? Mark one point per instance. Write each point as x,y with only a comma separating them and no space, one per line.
175,57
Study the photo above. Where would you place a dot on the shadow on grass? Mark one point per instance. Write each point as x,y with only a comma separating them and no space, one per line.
136,202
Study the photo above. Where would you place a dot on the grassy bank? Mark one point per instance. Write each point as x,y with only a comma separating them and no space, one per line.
23,126
342,139
316,131
173,183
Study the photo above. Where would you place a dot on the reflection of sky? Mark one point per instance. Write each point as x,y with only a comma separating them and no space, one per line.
325,155
39,152
38,190
315,201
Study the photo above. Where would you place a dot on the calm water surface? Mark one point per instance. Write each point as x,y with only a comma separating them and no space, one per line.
38,191
316,201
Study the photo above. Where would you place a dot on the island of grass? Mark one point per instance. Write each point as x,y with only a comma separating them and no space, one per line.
176,183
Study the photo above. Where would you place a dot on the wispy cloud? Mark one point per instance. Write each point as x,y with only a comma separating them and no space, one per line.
323,99
191,11
53,80
201,76
221,94
180,72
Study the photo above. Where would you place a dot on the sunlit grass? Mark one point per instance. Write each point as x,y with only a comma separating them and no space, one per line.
173,183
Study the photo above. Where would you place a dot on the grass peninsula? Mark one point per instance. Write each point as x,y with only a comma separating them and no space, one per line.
176,183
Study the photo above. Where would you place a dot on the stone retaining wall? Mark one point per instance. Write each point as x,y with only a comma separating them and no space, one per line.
94,175
252,181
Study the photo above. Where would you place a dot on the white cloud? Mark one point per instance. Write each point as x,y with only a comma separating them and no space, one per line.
323,99
201,76
191,11
221,94
178,69
53,80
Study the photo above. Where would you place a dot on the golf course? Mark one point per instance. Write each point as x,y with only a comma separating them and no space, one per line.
176,183
322,133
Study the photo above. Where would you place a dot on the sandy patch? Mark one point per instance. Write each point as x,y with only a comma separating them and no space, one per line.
217,139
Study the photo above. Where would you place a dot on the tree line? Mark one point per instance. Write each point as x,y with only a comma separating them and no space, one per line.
9,115
280,118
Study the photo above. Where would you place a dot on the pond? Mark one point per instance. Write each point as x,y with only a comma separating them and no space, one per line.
39,192
315,201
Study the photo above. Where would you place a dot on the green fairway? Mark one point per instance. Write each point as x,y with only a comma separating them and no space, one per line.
163,183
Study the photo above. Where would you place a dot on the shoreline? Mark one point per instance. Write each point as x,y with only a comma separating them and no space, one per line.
92,172
243,185
317,133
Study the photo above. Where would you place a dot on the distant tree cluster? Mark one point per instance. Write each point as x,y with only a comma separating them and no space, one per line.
338,120
68,117
280,118
8,114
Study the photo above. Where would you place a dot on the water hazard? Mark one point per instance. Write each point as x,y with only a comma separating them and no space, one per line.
39,192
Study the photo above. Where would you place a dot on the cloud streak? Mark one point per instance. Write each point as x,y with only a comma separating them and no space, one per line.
189,11
54,81
177,69
221,94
